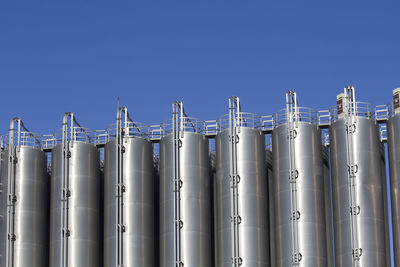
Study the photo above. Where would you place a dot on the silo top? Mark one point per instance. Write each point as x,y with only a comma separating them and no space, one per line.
299,114
359,109
242,119
24,139
184,124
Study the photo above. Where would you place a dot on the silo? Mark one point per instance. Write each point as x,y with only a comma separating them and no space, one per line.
240,185
75,202
298,188
185,214
135,246
393,141
24,220
358,187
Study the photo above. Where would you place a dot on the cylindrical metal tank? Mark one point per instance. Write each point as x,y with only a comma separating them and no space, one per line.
82,232
138,203
307,175
369,189
252,199
194,203
328,206
393,142
31,219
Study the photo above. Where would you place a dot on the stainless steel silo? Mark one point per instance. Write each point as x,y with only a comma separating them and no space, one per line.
358,187
24,219
184,203
240,185
393,142
298,188
195,212
137,204
75,203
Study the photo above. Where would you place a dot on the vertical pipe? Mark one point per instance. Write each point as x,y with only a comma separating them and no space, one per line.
176,121
117,199
234,120
350,116
291,114
11,192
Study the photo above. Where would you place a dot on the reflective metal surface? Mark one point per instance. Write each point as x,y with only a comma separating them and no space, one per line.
32,186
393,127
386,200
253,200
271,207
310,214
370,194
138,203
328,206
195,201
84,206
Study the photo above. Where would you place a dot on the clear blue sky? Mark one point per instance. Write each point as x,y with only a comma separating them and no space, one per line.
79,56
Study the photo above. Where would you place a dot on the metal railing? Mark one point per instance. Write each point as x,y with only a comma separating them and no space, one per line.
244,119
187,124
302,114
360,109
155,132
79,134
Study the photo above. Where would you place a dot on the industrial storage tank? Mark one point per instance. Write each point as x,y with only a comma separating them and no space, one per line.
185,214
24,218
129,200
298,188
358,187
393,141
75,200
240,185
